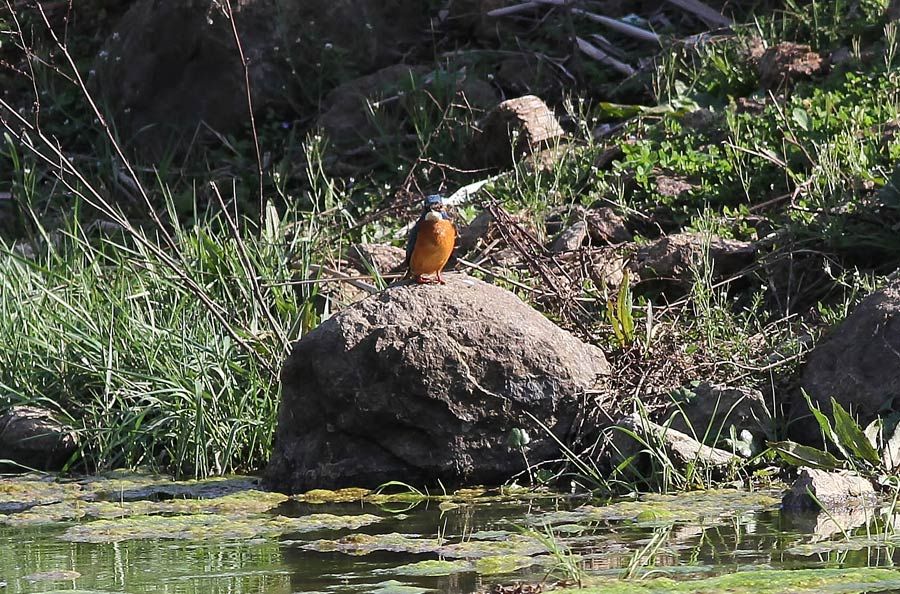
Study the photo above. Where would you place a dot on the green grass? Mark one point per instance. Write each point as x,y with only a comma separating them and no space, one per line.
100,329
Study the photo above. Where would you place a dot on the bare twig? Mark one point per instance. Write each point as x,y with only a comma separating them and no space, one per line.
277,330
246,70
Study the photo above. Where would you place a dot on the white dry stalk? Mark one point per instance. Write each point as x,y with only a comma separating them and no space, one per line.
598,54
619,26
705,13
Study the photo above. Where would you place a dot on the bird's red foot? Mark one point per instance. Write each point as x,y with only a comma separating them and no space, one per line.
440,279
421,280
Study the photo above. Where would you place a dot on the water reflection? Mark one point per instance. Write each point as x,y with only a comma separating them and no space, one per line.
678,538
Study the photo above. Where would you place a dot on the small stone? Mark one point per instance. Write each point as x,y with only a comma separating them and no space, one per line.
571,238
384,258
606,226
715,410
786,63
683,448
476,232
515,128
831,489
674,259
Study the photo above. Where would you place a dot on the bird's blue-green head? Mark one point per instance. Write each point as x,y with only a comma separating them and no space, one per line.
434,202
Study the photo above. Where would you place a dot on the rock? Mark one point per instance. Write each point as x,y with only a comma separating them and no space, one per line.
671,259
715,412
786,63
171,66
348,122
571,238
479,231
515,128
833,489
603,226
857,365
682,448
527,74
607,268
422,383
32,437
607,227
473,15
672,185
384,258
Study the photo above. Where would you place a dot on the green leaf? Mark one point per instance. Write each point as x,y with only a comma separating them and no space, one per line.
825,425
852,436
801,118
796,454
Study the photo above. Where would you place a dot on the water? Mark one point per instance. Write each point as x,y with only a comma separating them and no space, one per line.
122,539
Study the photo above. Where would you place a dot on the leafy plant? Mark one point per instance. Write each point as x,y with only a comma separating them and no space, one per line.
565,563
857,448
620,316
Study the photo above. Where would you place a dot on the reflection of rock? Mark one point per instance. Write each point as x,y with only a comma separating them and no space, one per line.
30,436
858,365
832,489
423,383
683,448
822,524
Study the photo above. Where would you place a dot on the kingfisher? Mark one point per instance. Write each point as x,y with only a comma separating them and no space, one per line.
431,242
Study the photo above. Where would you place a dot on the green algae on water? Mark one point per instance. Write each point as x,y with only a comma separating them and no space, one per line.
493,565
242,503
363,544
395,587
654,509
767,581
206,527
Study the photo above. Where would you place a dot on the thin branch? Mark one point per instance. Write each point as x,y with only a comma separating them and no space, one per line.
246,70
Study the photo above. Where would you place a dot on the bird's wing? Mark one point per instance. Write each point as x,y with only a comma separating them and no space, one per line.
411,242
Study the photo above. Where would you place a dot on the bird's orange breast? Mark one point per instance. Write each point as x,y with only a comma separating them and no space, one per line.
434,244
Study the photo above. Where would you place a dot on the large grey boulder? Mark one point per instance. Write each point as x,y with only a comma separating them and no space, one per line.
31,437
858,365
424,383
